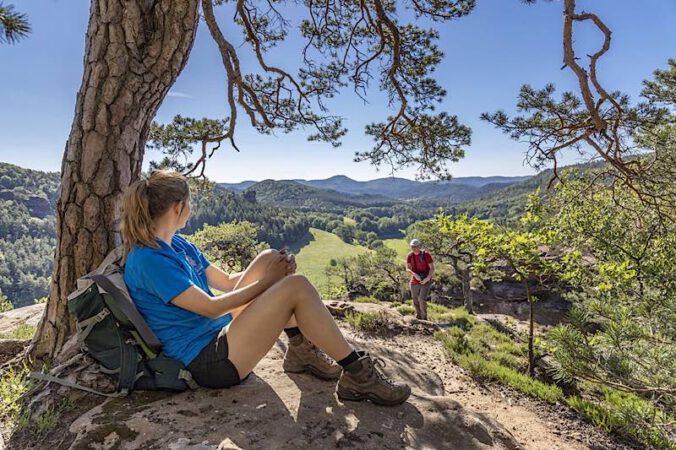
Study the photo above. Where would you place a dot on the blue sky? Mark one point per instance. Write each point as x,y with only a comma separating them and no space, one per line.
489,55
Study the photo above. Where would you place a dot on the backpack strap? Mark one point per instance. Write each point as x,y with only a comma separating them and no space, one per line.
129,359
128,310
186,376
53,379
84,327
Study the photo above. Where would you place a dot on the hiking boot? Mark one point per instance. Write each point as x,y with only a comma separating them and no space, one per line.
362,380
302,356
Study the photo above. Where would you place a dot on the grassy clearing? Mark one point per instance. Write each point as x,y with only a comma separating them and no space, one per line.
398,245
349,221
369,323
439,313
313,258
22,332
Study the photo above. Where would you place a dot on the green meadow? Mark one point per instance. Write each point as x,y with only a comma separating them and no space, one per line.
323,246
399,245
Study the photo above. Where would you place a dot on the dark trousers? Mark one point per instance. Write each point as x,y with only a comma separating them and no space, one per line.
419,292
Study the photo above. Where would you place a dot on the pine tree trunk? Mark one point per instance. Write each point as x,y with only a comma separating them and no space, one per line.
466,278
134,52
531,352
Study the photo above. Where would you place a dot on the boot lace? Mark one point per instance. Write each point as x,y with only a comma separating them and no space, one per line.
378,365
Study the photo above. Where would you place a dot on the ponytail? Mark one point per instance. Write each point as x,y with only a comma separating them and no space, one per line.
144,201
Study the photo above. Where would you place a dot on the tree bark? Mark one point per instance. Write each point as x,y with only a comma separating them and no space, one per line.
531,311
466,278
134,51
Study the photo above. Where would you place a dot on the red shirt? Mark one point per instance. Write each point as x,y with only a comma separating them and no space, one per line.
419,264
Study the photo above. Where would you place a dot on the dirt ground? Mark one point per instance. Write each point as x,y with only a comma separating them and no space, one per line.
448,409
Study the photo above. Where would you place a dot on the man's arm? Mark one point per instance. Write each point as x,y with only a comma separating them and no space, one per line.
428,278
409,270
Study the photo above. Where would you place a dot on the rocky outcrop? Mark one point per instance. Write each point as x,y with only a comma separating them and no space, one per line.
272,409
37,206
30,315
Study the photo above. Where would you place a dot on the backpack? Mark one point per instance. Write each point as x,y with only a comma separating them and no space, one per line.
414,265
112,331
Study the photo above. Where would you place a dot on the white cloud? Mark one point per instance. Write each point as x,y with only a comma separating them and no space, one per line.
178,94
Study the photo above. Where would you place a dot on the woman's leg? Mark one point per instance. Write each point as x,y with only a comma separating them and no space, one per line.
256,328
255,271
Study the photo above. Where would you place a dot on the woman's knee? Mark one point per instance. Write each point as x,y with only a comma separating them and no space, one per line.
296,285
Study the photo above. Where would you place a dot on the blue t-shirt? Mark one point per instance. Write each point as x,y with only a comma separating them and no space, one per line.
155,276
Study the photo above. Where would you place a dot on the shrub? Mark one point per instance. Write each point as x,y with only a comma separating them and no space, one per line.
22,332
369,323
13,385
369,299
406,310
627,414
491,370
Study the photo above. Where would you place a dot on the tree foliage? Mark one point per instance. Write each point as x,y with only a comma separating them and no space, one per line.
599,122
13,24
346,44
456,241
622,330
27,236
231,246
380,273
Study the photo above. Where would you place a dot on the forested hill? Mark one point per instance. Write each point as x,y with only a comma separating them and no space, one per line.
506,203
458,189
36,191
291,194
282,211
27,232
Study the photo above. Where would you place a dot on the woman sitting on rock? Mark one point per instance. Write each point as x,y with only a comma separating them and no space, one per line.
221,338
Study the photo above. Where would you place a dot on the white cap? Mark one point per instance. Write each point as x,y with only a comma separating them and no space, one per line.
415,243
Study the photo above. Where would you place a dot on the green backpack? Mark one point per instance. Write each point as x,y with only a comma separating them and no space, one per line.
112,331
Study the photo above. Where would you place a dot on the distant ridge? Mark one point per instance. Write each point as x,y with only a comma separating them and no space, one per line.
392,188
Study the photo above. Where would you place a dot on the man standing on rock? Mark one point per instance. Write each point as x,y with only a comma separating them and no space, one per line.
419,263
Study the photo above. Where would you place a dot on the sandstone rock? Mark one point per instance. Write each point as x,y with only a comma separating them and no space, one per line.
30,315
300,412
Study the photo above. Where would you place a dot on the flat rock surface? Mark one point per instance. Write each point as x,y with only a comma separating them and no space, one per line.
29,315
274,409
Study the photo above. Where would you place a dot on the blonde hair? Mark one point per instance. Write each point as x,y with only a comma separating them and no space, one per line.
144,201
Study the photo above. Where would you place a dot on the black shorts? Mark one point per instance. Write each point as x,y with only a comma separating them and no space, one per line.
212,368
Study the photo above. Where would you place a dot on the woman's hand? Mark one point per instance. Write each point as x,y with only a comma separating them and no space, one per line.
291,264
276,270
290,261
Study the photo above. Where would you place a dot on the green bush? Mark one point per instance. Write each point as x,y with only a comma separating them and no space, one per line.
627,414
14,384
368,299
5,304
406,310
22,332
369,323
